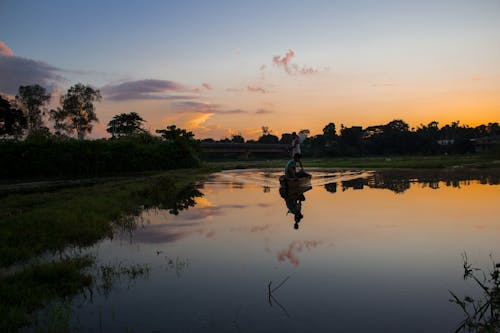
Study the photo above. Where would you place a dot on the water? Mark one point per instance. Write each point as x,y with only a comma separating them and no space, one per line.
372,252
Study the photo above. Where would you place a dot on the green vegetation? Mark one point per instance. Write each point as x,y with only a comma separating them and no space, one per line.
43,223
416,162
52,157
483,314
24,292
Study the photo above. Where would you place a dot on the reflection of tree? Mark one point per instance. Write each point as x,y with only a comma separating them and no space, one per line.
331,187
399,181
161,193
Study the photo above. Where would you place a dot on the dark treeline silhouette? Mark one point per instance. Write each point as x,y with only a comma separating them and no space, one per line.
29,148
393,138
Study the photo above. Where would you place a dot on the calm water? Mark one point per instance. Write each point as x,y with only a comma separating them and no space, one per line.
372,252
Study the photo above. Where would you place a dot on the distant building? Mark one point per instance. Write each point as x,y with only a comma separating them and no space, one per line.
445,142
485,143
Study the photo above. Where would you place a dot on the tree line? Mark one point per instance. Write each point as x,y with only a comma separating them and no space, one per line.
30,149
393,138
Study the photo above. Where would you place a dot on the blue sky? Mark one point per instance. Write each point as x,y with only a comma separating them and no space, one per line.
424,48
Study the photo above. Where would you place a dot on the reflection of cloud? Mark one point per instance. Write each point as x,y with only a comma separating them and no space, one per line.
293,248
163,233
263,111
290,68
259,228
17,71
5,50
144,89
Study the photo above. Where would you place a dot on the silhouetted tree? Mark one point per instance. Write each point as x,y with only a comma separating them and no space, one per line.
174,134
237,138
32,99
351,140
77,112
12,121
267,137
125,124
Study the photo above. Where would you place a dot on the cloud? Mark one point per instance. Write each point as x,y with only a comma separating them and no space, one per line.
290,68
17,71
200,107
262,67
206,86
263,111
5,50
257,89
145,89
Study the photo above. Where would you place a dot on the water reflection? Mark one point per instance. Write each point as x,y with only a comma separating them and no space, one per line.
399,181
363,252
293,200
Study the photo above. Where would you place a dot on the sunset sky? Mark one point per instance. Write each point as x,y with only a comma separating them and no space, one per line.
225,67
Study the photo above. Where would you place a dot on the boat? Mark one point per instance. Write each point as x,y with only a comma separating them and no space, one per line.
303,180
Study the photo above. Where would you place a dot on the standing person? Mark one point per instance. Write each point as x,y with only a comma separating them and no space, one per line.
295,150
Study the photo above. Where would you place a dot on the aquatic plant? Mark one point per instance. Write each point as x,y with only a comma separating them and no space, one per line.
483,314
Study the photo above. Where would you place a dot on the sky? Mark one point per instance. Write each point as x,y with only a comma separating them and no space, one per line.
220,68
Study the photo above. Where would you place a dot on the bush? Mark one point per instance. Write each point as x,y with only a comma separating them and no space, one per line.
54,157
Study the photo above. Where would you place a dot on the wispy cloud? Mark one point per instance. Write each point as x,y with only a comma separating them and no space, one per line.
257,89
263,111
5,50
250,88
146,89
200,107
292,69
207,86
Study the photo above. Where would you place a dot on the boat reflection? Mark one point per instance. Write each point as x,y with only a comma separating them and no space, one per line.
294,196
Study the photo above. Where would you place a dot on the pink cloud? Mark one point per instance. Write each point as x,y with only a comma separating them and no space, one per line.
206,86
5,50
292,69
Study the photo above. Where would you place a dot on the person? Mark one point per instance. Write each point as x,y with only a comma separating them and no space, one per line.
294,145
291,167
295,149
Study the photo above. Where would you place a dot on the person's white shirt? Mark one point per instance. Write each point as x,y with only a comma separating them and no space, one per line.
296,147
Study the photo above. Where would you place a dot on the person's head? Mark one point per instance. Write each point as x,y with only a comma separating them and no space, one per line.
294,135
296,157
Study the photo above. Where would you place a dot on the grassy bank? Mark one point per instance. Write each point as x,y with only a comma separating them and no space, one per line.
412,162
46,222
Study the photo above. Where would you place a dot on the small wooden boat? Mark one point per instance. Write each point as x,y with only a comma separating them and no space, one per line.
303,180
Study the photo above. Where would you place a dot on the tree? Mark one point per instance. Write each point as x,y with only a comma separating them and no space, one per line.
32,98
77,112
174,134
12,121
237,138
125,124
329,132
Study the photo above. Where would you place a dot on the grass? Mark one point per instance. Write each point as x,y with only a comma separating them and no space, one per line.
24,292
414,162
48,222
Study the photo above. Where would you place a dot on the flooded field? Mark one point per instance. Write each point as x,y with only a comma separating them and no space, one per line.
354,251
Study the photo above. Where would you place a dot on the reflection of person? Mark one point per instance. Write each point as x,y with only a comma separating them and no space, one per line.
293,201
